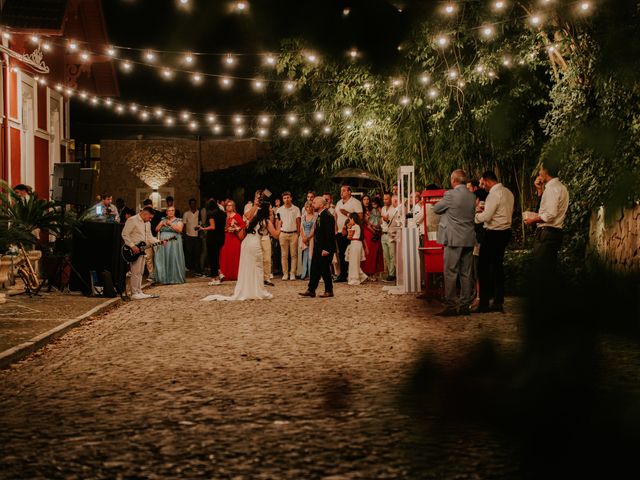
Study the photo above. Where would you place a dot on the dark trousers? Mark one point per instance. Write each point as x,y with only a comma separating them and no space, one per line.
320,267
491,266
546,246
192,250
213,252
343,242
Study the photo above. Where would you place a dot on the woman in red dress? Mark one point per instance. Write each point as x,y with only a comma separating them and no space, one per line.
233,236
373,264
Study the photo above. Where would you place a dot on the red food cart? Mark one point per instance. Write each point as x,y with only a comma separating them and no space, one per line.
432,252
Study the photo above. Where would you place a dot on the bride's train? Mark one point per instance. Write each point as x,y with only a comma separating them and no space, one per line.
250,284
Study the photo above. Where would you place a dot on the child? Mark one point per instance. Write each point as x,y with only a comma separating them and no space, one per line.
355,251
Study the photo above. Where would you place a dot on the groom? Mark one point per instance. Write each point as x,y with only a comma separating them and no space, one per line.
324,247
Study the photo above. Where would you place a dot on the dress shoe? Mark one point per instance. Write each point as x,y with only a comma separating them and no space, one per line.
326,295
269,283
307,294
447,312
497,308
340,280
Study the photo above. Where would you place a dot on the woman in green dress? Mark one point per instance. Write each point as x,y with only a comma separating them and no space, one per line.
169,263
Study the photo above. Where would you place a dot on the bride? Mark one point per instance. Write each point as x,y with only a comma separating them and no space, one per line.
250,284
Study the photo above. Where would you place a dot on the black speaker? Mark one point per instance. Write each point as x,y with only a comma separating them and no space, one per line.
85,187
65,182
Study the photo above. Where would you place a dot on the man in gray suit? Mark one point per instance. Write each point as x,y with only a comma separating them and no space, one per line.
456,232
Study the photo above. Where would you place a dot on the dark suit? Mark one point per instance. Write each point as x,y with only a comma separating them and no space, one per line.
324,240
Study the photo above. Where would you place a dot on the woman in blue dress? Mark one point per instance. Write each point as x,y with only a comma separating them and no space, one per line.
308,229
169,261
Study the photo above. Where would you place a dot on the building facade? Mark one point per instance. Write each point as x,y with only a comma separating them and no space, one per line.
38,77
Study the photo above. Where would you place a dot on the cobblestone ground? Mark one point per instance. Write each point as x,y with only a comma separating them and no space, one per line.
287,388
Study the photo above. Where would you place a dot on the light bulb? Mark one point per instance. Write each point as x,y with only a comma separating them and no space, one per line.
306,131
405,101
35,38
185,115
226,82
110,51
258,85
217,129
449,9
240,131
353,53
289,87
119,109
327,130
263,132
197,78
46,46
585,7
433,93
499,5
108,102
150,56
270,60
487,31
73,46
84,56
167,73
347,112
284,132
158,112
211,118
292,118
424,79
188,59
264,119
452,74
126,66
229,60
319,116
193,125
237,119
535,20
396,82
133,107
442,41
241,6
144,116
169,121
346,12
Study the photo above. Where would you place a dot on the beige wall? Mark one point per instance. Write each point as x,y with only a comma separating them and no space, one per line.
127,165
617,242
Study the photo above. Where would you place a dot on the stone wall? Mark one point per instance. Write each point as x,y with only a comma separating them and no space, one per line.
127,165
617,241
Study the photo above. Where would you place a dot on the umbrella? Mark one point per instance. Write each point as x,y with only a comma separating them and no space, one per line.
355,177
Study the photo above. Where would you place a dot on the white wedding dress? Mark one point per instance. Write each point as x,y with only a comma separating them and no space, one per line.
250,284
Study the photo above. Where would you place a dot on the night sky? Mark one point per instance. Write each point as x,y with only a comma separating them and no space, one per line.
375,27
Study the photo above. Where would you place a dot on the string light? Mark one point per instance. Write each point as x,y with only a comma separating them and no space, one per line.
133,107
424,79
284,132
241,6
433,93
264,119
487,31
499,5
158,112
237,119
535,20
84,56
169,121
263,132
226,82
442,41
185,116
167,73
193,125
211,118
217,129
292,118
110,52
405,101
452,74
73,46
270,60
6,35
319,116
306,131
396,82
188,59
126,66
346,12
229,60
197,78
119,109
327,130
449,9
258,85
584,7
46,46
149,56
289,87
347,112
353,53
35,39
144,116
239,131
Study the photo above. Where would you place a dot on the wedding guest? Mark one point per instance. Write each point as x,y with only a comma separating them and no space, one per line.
192,241
104,210
310,196
170,203
234,234
388,217
324,247
456,233
473,185
214,226
355,251
328,198
344,208
417,212
481,196
276,256
23,191
373,265
549,221
497,216
153,223
169,259
120,206
306,234
289,225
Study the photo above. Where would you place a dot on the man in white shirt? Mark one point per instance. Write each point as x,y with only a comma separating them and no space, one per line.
136,230
289,220
344,208
389,214
192,241
496,215
550,220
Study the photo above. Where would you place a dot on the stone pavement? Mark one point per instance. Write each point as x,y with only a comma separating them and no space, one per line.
287,388
23,318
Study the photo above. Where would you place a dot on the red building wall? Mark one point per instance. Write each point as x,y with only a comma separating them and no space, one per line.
42,167
14,140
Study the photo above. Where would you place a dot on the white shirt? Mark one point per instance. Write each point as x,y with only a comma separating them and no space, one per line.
137,230
390,212
498,209
356,232
191,220
554,204
418,217
289,217
352,205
